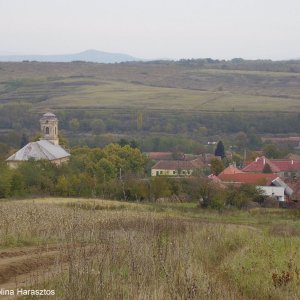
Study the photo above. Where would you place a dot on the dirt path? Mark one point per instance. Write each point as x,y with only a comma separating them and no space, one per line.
21,267
27,266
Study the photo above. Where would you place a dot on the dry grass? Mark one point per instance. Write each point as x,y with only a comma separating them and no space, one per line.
118,250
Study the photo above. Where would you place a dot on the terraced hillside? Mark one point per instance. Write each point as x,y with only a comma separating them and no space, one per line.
149,86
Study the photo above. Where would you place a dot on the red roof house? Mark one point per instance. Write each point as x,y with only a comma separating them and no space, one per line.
250,178
282,167
231,170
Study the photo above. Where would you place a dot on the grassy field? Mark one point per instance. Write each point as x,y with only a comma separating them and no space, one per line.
98,249
147,86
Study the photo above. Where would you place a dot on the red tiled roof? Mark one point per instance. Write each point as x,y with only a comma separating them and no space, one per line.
287,165
231,170
251,178
259,164
276,165
160,155
178,164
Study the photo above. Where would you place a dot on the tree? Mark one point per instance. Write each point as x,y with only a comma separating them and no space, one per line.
74,124
267,169
98,126
139,121
216,166
160,187
105,170
62,186
272,151
24,140
203,190
5,181
241,140
220,150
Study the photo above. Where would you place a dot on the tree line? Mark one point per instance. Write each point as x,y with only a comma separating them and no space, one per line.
115,172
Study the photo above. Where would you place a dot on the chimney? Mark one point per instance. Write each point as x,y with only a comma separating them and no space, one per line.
264,160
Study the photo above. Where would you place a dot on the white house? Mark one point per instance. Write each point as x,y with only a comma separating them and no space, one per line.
276,192
176,167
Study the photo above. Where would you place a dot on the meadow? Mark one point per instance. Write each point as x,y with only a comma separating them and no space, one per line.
101,249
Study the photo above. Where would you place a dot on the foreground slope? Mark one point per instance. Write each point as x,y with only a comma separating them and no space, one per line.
108,249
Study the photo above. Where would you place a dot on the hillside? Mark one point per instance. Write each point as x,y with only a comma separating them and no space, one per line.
150,85
193,97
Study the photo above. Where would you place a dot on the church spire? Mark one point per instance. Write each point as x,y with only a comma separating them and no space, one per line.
49,128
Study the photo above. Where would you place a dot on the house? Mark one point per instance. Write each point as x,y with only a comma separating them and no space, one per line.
176,167
282,167
270,184
276,192
249,178
292,156
231,169
294,183
47,148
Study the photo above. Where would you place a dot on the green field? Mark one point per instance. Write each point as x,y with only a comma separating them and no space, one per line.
98,249
147,86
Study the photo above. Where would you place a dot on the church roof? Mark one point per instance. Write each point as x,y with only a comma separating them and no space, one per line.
39,150
48,116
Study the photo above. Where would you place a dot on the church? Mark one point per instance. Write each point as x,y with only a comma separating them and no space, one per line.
46,148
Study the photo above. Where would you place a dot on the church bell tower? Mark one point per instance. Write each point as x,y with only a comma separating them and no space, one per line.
49,128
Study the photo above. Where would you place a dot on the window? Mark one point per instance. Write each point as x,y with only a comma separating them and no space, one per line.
47,130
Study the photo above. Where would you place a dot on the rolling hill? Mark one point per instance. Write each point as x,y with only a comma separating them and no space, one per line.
87,56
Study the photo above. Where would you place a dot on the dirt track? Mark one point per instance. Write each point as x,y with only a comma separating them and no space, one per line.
27,266
21,267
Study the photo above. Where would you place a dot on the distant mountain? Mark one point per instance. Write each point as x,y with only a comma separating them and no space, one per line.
88,56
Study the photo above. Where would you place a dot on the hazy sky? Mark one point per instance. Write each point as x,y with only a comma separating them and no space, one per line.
153,29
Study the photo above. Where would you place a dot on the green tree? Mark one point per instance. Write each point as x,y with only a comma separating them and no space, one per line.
160,187
216,166
105,170
17,187
241,140
139,121
5,181
267,169
62,186
203,190
220,150
24,140
74,124
98,126
272,151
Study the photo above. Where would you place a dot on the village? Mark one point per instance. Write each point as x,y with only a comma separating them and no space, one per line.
277,179
150,150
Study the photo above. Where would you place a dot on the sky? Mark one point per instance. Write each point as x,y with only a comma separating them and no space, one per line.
220,29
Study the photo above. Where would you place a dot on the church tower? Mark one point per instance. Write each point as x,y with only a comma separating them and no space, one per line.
49,128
